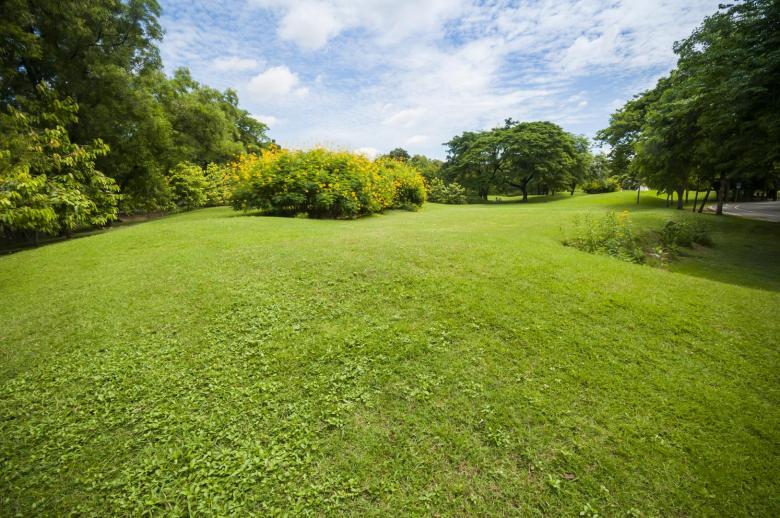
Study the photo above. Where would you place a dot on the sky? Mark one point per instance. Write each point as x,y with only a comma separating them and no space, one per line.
372,75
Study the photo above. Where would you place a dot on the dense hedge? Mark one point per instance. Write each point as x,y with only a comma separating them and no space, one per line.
324,184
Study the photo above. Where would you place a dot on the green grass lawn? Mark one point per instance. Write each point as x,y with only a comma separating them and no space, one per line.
458,360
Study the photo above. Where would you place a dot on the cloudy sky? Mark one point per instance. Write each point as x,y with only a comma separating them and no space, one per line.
377,74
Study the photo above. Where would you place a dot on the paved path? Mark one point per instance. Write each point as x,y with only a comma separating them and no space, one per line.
763,210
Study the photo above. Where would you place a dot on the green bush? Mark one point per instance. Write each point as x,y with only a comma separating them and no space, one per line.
188,186
601,185
685,233
217,184
408,183
323,184
611,235
439,192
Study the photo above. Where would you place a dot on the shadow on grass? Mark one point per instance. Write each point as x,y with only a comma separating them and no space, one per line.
745,254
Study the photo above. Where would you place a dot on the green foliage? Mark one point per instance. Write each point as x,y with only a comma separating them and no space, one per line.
408,184
714,120
43,173
440,192
399,154
218,184
429,168
324,184
189,186
104,54
613,235
601,185
25,203
517,155
685,233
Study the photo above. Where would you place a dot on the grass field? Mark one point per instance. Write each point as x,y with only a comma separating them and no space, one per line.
458,360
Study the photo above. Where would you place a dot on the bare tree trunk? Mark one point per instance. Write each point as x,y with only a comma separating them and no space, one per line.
722,192
704,201
638,191
680,198
695,199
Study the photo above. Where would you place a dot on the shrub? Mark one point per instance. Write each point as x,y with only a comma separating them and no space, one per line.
217,184
685,233
601,185
323,184
408,183
188,186
439,192
611,235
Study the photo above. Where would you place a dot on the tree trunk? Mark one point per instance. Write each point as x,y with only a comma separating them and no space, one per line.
704,201
695,199
722,192
687,193
638,191
573,188
680,198
35,238
525,193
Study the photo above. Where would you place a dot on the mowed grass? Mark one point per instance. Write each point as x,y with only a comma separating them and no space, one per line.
458,360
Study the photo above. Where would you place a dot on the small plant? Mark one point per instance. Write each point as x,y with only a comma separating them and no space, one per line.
439,192
612,235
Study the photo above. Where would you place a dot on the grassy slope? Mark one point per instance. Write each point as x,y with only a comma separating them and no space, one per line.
455,360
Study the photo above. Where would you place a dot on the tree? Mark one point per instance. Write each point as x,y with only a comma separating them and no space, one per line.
399,154
47,183
538,150
475,160
582,162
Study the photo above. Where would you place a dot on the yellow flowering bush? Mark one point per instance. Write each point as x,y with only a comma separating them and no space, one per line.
322,184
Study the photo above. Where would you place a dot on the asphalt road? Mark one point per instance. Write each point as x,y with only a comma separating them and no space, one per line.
763,210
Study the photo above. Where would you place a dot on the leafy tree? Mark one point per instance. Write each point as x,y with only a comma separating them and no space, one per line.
428,167
189,186
48,183
476,160
538,150
399,154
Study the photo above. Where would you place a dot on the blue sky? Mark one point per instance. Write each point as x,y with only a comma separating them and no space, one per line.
372,75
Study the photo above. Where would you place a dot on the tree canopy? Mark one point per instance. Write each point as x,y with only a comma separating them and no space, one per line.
101,60
714,121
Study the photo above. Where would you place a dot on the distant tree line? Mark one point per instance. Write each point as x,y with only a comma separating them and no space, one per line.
90,124
712,124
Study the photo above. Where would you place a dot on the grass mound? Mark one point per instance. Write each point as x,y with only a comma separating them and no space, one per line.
457,360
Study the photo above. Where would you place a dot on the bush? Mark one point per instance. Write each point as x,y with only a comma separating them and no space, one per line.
439,192
602,185
188,186
408,183
217,184
323,184
685,233
612,235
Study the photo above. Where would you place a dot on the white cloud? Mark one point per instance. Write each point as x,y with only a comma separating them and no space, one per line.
404,118
386,73
368,152
275,82
270,120
417,139
310,24
234,64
